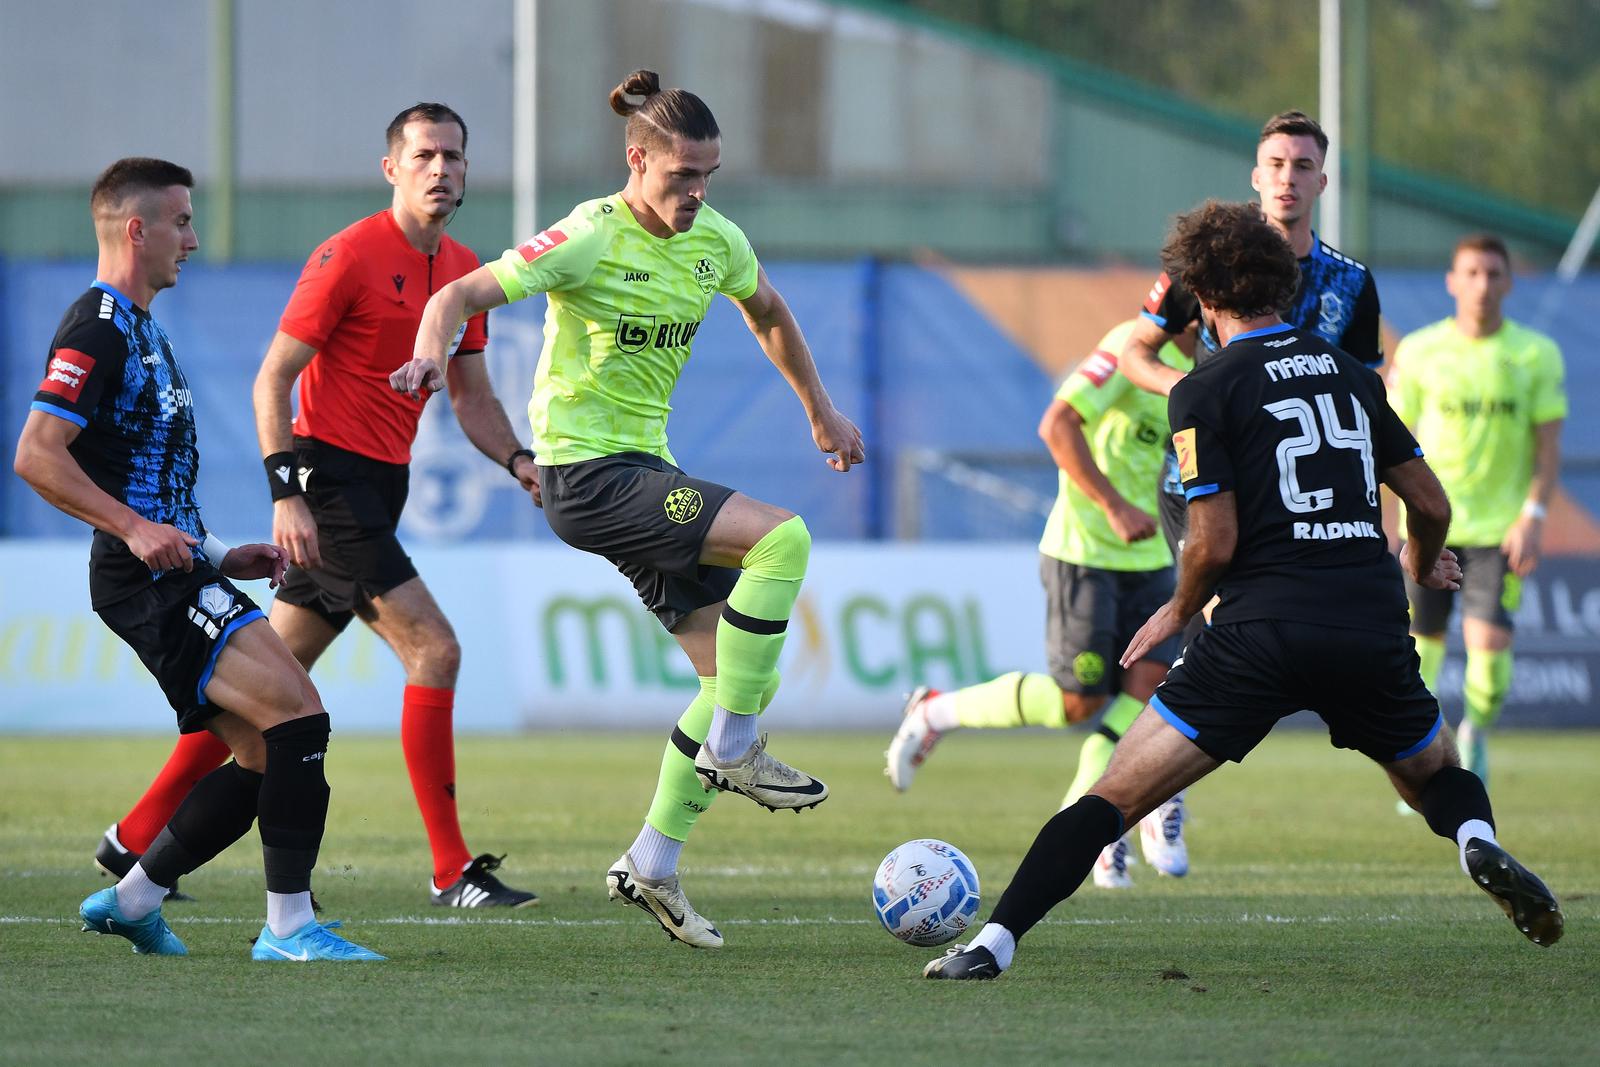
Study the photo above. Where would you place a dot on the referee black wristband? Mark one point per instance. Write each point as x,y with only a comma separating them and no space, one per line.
280,475
511,460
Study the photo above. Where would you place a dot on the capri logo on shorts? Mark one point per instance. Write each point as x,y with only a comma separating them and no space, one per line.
683,504
1089,668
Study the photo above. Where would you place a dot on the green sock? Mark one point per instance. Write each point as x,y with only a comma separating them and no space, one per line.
681,798
1014,699
1095,755
1484,689
1430,650
751,631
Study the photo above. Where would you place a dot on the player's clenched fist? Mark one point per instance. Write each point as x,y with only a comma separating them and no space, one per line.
161,547
416,376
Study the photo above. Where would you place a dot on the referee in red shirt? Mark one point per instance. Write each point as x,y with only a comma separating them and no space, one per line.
339,480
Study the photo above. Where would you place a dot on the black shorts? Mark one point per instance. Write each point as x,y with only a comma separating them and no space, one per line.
1489,591
1091,615
178,626
356,502
1235,681
648,518
1172,507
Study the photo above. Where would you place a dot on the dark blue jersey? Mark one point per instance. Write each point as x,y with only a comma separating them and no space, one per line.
111,372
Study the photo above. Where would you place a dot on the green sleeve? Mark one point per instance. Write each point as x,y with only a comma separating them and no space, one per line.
1094,387
1550,390
742,276
1403,396
558,258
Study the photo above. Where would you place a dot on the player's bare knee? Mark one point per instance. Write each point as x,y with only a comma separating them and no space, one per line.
249,752
1078,707
437,655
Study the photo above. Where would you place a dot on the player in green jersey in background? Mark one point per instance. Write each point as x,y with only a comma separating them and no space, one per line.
1104,571
1485,398
628,279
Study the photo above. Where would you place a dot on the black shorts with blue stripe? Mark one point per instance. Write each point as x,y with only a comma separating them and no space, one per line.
1235,681
178,626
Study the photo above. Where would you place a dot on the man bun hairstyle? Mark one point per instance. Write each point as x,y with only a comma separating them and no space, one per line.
395,135
1231,258
661,114
1295,124
133,176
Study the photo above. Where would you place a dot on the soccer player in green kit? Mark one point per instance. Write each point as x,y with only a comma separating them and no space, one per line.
629,278
1485,397
1104,571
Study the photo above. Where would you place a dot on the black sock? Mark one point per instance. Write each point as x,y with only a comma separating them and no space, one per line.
1061,858
1454,795
294,802
216,813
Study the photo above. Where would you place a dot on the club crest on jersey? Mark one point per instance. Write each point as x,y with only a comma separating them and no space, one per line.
705,275
633,331
683,504
67,372
1188,460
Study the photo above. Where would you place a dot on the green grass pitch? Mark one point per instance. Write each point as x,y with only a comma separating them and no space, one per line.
1317,926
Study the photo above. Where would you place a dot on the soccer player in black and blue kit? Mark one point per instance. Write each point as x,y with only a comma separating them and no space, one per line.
111,440
1282,440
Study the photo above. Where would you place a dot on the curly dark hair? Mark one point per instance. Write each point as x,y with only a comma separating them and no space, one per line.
1232,258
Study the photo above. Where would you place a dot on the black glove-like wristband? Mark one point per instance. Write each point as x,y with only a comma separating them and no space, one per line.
281,475
511,460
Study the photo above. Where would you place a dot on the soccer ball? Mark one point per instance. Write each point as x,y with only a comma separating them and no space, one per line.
925,892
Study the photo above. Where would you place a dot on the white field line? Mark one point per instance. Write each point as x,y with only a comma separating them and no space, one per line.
1247,919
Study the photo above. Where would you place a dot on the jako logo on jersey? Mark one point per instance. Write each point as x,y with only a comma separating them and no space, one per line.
705,273
1334,531
636,276
67,372
539,244
1099,367
682,504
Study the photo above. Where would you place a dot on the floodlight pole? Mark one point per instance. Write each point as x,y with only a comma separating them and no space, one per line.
524,120
222,218
1331,90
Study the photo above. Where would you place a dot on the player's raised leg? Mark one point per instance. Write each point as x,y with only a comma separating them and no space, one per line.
410,621
771,547
193,757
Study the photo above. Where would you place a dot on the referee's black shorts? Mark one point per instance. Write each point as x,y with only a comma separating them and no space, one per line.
1235,681
648,518
356,502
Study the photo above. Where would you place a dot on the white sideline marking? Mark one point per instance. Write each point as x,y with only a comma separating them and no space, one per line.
457,920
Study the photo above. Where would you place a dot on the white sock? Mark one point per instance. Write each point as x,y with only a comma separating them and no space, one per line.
288,912
138,896
940,711
731,734
998,940
654,854
1467,831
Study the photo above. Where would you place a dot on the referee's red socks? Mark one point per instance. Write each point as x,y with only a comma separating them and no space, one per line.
427,737
195,756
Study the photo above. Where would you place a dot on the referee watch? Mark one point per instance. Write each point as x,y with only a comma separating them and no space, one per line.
511,460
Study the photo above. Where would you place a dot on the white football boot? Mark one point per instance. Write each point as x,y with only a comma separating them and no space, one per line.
914,740
665,902
1161,838
1111,867
768,781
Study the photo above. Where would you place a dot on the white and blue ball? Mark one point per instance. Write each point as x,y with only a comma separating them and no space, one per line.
926,892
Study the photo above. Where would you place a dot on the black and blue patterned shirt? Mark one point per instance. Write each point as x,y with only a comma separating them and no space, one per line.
111,372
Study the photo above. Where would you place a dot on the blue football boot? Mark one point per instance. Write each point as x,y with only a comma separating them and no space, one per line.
313,941
151,936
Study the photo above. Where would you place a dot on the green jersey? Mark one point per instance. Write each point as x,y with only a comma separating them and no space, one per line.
1127,432
1472,404
623,307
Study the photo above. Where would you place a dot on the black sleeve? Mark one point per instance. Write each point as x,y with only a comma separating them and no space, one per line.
1204,462
1392,441
1170,306
1362,338
86,357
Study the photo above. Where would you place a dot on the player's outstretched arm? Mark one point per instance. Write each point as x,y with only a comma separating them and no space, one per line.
43,462
1061,429
1207,552
468,295
1424,556
483,419
1141,363
776,330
